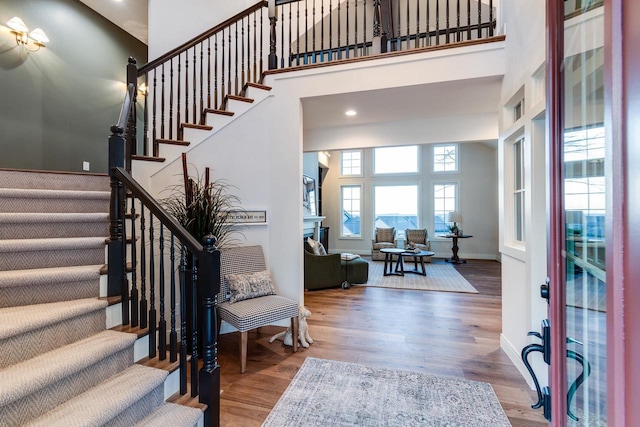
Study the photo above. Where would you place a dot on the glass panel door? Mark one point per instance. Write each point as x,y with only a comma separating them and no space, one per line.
584,213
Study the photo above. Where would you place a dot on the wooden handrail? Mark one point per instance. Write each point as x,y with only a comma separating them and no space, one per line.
158,211
194,41
123,118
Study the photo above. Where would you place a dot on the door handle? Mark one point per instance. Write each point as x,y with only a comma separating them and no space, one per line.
544,398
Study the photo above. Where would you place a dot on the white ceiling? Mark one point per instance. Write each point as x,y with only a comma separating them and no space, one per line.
458,98
130,15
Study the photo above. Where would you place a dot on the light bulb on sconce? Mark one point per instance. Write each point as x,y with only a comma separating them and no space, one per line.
21,31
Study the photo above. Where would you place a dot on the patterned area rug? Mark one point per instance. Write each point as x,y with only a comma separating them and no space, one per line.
330,393
440,277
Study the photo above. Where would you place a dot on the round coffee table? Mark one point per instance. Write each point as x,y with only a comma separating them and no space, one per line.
417,256
388,261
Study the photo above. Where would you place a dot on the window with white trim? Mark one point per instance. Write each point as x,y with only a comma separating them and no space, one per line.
445,200
351,208
395,206
395,160
445,158
518,190
351,163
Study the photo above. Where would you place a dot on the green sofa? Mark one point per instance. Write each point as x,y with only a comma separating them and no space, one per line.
329,271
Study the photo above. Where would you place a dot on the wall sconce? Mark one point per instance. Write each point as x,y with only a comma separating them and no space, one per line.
22,34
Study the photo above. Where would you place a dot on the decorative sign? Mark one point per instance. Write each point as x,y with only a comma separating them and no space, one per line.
246,217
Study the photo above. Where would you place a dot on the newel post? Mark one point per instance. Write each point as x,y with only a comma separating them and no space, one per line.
117,283
132,142
209,375
273,59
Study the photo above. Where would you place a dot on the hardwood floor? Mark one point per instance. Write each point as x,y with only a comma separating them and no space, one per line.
441,333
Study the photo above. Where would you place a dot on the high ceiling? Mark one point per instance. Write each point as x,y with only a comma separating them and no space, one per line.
130,15
457,98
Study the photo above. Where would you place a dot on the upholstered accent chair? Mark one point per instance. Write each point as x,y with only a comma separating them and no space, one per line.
383,238
321,271
417,238
255,312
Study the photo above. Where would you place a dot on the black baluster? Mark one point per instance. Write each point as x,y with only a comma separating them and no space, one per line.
331,30
194,328
208,78
200,112
162,106
237,92
490,18
261,40
246,42
135,314
355,42
417,44
282,35
347,30
479,19
298,33
186,86
322,30
314,33
178,128
173,335
468,19
215,71
195,84
229,63
162,325
457,20
364,27
171,99
153,114
145,141
255,49
437,22
428,31
143,272
447,13
152,294
408,26
223,87
183,321
339,38
306,32
290,36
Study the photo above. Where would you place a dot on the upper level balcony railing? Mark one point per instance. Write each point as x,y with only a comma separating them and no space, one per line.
180,87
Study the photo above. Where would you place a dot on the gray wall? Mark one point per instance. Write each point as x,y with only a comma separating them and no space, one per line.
57,104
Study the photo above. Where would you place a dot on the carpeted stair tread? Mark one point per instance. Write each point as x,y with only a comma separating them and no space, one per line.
42,200
12,178
38,193
100,404
21,254
19,320
21,379
170,415
21,225
33,245
42,276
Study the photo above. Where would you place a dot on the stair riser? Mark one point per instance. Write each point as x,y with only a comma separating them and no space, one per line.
140,409
54,292
54,258
18,413
28,204
53,181
45,230
34,343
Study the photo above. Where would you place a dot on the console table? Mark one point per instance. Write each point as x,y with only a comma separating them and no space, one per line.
455,259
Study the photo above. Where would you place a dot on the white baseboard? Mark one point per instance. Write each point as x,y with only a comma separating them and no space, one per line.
514,355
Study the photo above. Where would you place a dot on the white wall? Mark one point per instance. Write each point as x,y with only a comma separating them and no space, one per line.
478,200
171,24
523,265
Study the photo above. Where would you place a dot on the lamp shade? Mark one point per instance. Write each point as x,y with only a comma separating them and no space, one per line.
454,216
17,24
39,36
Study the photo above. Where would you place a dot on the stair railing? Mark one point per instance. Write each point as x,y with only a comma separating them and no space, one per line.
179,89
198,276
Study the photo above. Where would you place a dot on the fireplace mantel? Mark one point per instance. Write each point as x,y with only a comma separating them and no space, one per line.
312,224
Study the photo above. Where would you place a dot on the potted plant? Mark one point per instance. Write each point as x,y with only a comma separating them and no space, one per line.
201,206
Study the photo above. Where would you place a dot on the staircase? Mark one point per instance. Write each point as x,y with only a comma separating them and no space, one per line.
59,364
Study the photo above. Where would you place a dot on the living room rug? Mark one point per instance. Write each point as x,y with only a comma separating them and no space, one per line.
331,393
440,277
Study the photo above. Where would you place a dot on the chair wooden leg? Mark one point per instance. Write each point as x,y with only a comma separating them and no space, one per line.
244,340
294,332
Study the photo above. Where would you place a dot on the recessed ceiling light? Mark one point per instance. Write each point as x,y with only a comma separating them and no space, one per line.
350,113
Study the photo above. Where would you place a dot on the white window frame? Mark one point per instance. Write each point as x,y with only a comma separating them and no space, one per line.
397,184
417,159
342,160
457,158
456,203
518,228
342,209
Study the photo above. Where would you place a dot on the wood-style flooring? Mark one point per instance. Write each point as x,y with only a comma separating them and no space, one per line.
441,333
